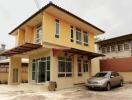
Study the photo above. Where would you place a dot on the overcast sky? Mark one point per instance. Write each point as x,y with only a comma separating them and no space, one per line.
113,16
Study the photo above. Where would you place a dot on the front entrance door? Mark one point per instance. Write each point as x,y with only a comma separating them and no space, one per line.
41,70
15,75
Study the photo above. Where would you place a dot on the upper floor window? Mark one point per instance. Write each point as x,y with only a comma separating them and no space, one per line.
85,34
78,36
38,34
113,48
120,47
72,36
103,50
57,28
126,46
108,49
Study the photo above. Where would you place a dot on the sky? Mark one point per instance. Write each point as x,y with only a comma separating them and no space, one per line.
112,16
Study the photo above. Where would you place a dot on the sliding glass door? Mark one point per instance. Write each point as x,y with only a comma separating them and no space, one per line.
41,70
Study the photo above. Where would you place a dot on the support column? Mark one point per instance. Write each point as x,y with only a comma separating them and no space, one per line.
53,67
14,70
75,68
95,66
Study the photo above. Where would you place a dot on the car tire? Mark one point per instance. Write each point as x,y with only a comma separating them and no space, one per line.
89,88
121,83
108,87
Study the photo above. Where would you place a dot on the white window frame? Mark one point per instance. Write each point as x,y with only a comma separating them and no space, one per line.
114,48
65,73
104,49
107,49
85,62
36,71
79,60
118,48
85,34
38,39
79,39
57,22
128,46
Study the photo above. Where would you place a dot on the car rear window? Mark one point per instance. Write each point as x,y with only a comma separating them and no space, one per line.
100,74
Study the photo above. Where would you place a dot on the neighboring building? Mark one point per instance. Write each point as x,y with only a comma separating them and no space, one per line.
2,48
59,46
4,69
118,47
118,53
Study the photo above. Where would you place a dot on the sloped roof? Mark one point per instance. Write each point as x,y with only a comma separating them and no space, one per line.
116,39
63,10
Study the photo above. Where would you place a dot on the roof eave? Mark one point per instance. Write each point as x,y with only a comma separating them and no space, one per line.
51,4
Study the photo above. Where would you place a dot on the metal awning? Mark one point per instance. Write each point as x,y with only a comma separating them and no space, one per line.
20,49
90,55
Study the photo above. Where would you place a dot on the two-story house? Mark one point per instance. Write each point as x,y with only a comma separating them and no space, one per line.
118,55
59,46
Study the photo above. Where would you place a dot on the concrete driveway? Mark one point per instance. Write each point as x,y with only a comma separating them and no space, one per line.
77,93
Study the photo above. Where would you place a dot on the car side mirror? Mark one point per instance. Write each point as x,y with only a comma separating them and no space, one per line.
111,76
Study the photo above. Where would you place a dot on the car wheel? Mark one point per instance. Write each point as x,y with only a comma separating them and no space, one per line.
89,88
108,87
121,83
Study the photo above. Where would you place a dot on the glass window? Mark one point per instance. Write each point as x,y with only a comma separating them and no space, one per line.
57,28
101,74
79,67
108,49
85,66
103,50
72,34
61,62
113,48
78,36
64,67
120,47
38,34
126,46
33,70
41,69
85,38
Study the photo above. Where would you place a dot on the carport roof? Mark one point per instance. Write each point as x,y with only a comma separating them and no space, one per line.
90,55
20,49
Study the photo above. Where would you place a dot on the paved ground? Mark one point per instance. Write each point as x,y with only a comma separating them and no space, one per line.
78,93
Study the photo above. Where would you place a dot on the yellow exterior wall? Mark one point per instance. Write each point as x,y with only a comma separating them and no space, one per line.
35,55
20,37
62,82
26,35
15,62
48,35
66,82
64,39
29,34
